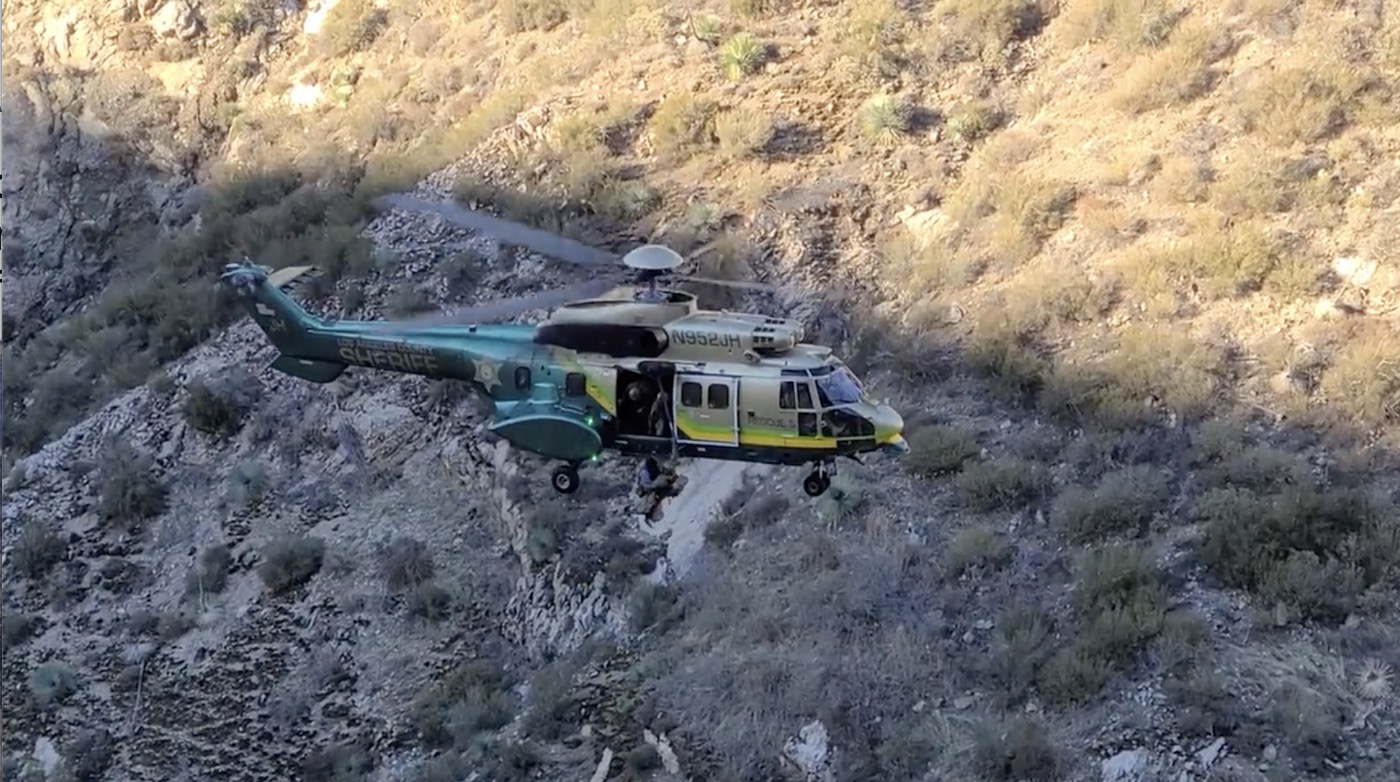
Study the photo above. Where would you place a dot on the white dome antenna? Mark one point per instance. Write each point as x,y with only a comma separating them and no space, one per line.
653,258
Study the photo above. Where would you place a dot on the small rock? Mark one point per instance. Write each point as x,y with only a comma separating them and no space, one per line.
1124,766
963,702
601,773
810,752
983,624
1271,753
1211,753
46,755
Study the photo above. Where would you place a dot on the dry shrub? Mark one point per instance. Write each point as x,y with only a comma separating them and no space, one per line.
1177,73
1010,213
1305,102
1363,382
1050,295
940,450
1183,179
981,29
876,36
1151,368
521,15
1129,24
351,26
1217,260
742,133
1262,182
683,125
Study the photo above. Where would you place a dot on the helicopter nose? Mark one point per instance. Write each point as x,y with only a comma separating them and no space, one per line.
889,428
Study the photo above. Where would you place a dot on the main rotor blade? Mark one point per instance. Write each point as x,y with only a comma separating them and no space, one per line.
505,308
510,232
752,286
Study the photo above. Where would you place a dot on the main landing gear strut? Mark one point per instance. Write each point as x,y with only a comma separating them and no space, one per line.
819,480
565,478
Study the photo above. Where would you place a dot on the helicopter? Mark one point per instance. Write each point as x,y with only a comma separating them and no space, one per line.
641,370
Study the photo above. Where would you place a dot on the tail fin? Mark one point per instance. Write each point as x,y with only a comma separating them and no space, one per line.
286,324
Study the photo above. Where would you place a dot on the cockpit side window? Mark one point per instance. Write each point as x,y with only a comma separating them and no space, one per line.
787,396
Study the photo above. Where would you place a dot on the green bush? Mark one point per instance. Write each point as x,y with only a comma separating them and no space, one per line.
940,450
1125,500
130,489
37,550
1120,605
211,575
1312,549
1001,484
472,699
210,412
290,561
980,548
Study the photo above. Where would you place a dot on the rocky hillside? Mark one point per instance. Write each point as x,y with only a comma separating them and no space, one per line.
1125,264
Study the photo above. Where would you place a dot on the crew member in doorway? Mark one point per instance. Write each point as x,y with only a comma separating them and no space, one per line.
661,414
654,484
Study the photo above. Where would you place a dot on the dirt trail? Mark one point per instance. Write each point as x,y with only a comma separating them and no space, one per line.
709,484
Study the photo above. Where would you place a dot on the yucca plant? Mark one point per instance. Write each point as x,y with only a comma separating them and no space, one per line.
740,56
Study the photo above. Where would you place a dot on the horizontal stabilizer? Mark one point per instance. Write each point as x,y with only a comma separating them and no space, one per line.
306,369
286,276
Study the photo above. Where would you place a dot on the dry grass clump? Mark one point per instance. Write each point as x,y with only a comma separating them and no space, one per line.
520,15
1217,260
683,126
1362,383
1129,24
1151,368
974,120
982,29
876,36
1304,102
1178,72
1261,183
979,549
1009,212
741,133
1051,295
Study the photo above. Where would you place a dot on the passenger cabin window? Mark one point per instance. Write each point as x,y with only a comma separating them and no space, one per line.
719,396
804,397
787,396
806,424
574,384
522,378
692,395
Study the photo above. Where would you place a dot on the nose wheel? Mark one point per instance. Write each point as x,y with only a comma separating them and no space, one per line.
819,480
565,479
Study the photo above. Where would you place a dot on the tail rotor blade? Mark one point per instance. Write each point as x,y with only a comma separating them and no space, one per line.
507,231
505,308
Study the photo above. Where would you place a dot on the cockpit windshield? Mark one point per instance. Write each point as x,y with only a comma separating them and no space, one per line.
838,388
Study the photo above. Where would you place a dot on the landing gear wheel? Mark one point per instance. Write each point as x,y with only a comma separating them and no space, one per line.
565,479
816,484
